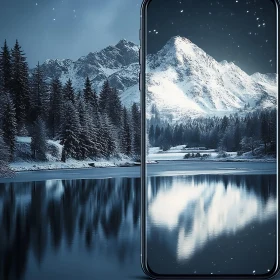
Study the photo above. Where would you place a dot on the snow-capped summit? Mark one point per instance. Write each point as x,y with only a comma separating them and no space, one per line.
182,79
127,45
99,66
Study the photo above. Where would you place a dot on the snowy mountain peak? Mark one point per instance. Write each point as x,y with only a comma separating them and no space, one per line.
108,63
184,47
178,40
225,62
127,45
181,53
184,81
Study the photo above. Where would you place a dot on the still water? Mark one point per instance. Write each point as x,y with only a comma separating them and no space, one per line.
90,229
212,224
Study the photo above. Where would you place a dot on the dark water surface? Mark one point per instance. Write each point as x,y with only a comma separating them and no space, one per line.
80,229
90,229
212,224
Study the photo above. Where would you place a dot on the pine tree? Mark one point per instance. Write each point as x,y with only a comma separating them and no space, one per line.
70,133
224,124
68,92
39,140
157,136
95,145
273,131
167,139
56,107
40,95
89,134
95,105
88,93
104,97
126,134
91,100
136,124
20,86
5,69
237,135
83,137
5,170
114,108
9,126
152,135
107,142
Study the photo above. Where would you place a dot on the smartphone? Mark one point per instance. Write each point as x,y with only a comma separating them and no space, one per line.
209,104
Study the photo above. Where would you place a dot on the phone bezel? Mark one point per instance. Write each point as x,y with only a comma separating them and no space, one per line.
142,87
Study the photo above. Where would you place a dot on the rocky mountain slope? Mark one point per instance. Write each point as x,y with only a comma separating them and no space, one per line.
183,80
118,64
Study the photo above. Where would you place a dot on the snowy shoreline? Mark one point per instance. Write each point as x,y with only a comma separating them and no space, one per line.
155,156
70,164
180,153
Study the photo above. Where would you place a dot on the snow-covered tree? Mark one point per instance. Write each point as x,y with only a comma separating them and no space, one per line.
40,95
91,100
94,138
151,135
126,144
114,108
68,92
9,126
136,125
70,132
20,86
249,144
104,97
56,107
108,143
5,69
88,93
39,140
5,170
84,135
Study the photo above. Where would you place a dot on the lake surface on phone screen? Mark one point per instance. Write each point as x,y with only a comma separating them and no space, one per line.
90,229
212,224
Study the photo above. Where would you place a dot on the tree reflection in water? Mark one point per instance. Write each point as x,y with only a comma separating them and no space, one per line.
42,220
41,215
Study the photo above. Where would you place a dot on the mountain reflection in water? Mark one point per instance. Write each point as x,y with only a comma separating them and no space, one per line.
88,229
189,214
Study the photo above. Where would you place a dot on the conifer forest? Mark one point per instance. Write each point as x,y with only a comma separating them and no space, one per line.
87,124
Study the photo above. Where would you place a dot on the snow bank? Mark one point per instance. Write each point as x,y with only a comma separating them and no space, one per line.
71,164
179,152
24,161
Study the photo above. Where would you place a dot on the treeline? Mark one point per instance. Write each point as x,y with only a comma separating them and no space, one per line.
87,125
229,133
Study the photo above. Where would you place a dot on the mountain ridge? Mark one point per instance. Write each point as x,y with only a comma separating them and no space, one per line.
99,65
182,79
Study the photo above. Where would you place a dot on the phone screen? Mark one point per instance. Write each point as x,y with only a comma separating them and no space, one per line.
210,99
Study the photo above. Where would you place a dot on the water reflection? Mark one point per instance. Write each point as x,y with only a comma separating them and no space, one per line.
90,228
189,213
66,219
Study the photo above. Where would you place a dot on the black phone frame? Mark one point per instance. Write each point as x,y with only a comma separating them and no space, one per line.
142,87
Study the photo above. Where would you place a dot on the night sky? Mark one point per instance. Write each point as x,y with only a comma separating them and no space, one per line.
240,31
67,28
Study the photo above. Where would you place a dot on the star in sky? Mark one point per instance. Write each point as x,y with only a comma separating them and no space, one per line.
230,24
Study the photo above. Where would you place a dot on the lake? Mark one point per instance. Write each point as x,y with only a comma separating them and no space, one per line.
90,229
212,224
